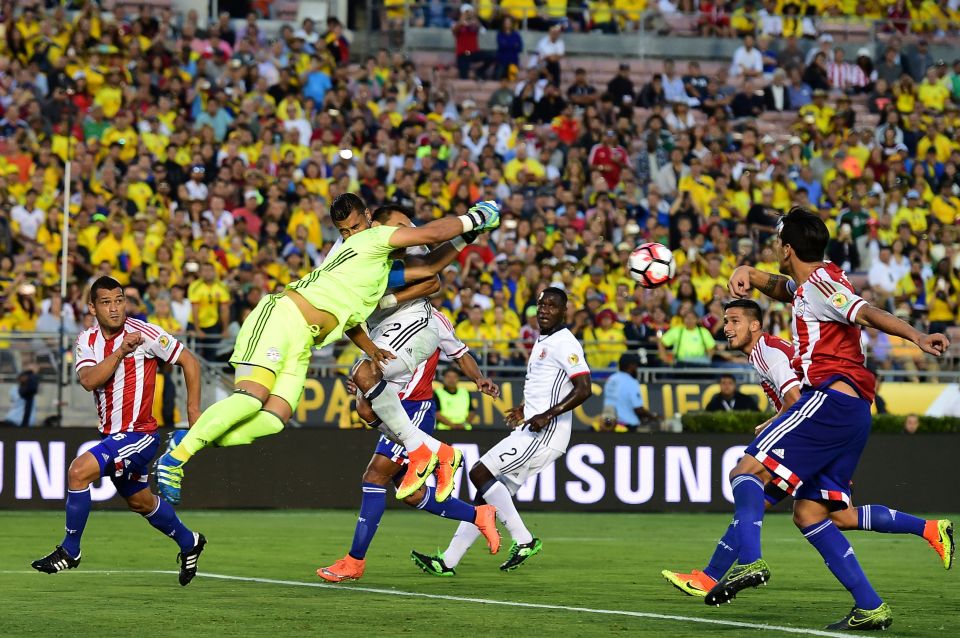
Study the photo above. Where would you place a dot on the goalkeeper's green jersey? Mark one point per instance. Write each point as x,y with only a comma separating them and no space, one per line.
352,279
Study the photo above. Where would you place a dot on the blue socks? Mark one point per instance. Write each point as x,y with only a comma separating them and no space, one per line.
372,505
165,519
840,559
880,518
724,555
450,508
748,503
78,510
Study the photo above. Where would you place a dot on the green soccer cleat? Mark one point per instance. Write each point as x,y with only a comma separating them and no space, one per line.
865,620
169,473
432,565
520,553
940,536
737,579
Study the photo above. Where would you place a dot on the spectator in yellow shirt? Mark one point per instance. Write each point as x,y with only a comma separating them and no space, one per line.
913,213
502,334
523,166
472,331
946,206
118,249
932,93
210,300
705,283
605,341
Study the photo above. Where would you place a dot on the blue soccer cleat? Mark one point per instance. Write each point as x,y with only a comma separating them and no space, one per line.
169,474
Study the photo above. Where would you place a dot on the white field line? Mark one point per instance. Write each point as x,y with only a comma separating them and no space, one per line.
464,599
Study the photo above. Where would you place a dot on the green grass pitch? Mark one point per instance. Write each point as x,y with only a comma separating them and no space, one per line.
590,561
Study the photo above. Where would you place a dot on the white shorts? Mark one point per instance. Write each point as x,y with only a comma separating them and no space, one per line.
412,337
518,457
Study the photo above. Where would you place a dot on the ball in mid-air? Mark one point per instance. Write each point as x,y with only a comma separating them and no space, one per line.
651,265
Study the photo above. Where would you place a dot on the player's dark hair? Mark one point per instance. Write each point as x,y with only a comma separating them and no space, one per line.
451,369
557,292
806,234
382,214
344,204
749,306
727,375
103,283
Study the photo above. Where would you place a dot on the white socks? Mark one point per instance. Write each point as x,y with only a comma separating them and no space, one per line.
396,424
464,537
499,496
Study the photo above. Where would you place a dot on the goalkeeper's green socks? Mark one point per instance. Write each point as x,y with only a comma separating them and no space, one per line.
261,424
216,421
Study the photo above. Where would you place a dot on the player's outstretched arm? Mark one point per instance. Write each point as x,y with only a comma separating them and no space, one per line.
481,217
423,288
191,377
579,394
746,278
873,317
468,365
93,377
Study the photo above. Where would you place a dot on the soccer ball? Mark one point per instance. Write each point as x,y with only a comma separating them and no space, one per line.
651,265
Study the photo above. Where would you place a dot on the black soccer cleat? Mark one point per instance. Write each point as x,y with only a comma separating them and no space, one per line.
520,553
188,561
56,561
432,565
865,619
739,577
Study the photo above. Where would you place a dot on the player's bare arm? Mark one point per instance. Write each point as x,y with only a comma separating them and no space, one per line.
96,376
191,377
362,340
481,217
580,393
425,287
873,317
515,416
468,365
747,278
790,397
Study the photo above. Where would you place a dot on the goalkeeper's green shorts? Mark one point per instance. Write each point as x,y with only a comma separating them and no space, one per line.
275,336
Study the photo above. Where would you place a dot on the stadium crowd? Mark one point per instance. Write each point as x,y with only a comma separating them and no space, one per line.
204,160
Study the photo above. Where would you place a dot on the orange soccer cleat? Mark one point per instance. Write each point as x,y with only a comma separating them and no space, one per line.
486,522
347,568
449,459
421,464
939,533
696,583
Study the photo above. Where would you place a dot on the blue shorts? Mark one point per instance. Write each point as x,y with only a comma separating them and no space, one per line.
423,414
812,450
126,459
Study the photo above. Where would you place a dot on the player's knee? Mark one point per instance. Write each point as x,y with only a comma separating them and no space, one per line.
143,502
79,475
375,477
803,519
480,475
845,519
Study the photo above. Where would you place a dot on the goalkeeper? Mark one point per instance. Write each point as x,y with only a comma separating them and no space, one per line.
273,349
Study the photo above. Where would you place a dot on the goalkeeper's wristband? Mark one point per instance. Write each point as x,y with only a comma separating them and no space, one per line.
459,243
469,222
388,301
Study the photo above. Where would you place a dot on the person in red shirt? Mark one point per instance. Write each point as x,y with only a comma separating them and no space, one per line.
609,158
466,33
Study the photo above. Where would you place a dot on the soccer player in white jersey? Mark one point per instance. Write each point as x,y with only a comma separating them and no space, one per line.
772,358
389,460
117,360
557,382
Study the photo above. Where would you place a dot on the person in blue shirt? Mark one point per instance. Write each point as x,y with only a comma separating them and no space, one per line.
622,401
509,48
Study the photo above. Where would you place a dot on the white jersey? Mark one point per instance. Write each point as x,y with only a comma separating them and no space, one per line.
125,402
772,358
409,310
420,385
554,361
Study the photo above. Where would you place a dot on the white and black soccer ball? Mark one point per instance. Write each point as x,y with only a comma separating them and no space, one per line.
651,265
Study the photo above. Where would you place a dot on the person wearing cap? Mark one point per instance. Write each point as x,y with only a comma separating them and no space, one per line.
913,213
466,34
821,112
623,405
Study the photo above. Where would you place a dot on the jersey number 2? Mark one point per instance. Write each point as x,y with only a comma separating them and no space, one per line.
512,452
393,328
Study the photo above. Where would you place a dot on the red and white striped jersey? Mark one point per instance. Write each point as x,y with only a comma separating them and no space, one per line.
125,402
772,358
420,387
826,336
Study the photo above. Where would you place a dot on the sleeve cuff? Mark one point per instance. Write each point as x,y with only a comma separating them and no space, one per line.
176,353
854,310
786,387
85,363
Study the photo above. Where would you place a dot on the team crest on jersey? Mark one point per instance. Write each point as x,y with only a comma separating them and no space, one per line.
273,354
164,341
543,353
840,301
573,359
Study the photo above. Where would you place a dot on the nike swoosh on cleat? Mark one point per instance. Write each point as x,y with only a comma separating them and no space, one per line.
422,473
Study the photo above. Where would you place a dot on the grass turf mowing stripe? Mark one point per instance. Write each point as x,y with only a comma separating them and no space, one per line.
465,599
